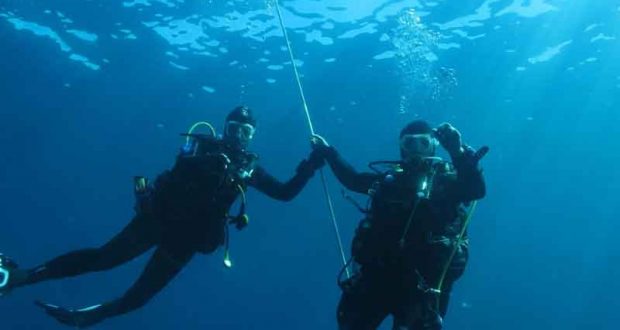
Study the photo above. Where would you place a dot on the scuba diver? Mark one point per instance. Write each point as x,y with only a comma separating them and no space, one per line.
184,212
412,244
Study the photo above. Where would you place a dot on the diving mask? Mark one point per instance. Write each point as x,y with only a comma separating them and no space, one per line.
418,145
242,132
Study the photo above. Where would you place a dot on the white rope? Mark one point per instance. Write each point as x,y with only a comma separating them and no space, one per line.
330,204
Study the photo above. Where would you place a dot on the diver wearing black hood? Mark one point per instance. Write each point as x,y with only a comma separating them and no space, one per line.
184,212
415,220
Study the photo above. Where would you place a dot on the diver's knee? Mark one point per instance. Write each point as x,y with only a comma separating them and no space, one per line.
432,321
99,259
344,318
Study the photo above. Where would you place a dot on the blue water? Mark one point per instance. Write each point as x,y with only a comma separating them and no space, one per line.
95,92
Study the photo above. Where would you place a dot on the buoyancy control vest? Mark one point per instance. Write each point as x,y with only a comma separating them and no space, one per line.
408,206
194,197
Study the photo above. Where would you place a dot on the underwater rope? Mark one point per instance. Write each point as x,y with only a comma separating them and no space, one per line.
330,204
457,244
428,185
414,209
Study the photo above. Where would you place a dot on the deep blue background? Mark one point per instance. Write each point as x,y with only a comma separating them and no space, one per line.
544,242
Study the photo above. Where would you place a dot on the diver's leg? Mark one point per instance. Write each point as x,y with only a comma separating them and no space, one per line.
424,309
141,234
161,269
408,309
417,307
455,271
164,265
444,300
419,312
363,306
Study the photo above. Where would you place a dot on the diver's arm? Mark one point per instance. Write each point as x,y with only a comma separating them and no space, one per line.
469,179
285,191
470,184
353,180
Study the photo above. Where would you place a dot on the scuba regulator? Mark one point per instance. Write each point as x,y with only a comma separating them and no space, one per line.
426,169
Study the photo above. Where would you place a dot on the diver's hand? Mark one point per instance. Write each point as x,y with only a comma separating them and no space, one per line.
316,159
320,150
81,318
450,139
318,142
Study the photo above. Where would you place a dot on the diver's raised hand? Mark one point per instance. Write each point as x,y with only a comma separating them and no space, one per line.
80,318
316,159
319,149
318,142
450,139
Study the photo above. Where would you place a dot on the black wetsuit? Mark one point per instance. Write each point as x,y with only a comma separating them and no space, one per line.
186,213
391,273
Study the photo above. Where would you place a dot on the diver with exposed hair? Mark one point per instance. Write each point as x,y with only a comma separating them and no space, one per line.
412,244
185,211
